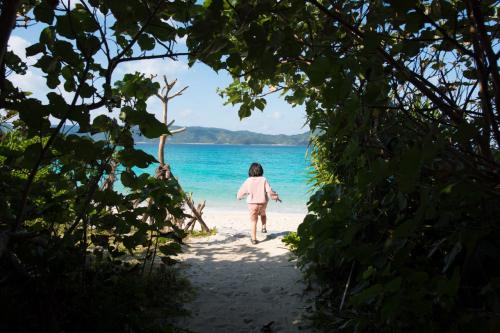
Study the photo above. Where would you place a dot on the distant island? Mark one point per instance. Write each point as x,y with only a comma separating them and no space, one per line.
210,135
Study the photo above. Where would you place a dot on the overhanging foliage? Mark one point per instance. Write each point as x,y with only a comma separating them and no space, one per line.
403,230
64,237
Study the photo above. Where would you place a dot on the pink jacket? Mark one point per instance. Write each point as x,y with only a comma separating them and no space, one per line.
257,188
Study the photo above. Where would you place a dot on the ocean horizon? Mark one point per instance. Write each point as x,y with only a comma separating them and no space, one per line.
214,172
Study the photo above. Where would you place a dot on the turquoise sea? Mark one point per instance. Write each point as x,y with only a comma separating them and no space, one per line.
215,172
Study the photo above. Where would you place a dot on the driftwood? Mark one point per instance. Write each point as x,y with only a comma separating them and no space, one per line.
197,212
110,180
163,171
198,216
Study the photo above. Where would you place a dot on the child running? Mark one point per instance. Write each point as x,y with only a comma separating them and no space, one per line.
258,192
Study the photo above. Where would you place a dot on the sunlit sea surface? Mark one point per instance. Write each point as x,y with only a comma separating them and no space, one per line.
215,172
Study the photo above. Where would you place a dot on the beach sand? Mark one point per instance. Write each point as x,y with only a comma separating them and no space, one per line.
242,287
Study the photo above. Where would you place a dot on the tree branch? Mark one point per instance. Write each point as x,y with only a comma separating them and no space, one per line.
426,87
155,56
485,43
31,177
7,23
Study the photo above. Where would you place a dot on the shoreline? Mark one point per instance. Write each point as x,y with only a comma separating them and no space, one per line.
224,211
219,144
237,221
272,208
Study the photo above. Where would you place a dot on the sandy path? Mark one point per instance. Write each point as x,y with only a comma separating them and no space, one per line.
243,287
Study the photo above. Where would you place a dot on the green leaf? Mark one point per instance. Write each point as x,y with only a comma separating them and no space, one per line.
128,179
394,285
32,112
260,103
244,111
151,127
31,155
170,249
89,45
57,104
134,157
414,22
85,20
35,49
146,42
86,90
68,26
13,62
65,50
402,6
470,74
319,70
48,64
85,148
405,229
369,271
53,81
44,13
368,295
390,307
409,169
233,60
101,240
101,123
169,261
411,48
48,36
371,41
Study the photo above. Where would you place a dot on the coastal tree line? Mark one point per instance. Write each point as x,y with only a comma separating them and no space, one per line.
402,230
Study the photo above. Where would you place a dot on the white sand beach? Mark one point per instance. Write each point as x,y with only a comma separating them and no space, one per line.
243,287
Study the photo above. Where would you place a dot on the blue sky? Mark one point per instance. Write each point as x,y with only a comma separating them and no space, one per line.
200,105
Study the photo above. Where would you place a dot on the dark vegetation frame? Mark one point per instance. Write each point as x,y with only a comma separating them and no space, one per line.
402,232
73,251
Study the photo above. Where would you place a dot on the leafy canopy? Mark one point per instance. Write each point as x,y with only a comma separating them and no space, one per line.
404,96
60,226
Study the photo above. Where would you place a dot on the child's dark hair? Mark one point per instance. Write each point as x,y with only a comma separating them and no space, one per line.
255,170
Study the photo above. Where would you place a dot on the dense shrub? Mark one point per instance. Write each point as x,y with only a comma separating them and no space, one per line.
76,255
402,232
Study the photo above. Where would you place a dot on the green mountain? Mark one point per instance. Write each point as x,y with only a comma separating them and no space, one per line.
210,135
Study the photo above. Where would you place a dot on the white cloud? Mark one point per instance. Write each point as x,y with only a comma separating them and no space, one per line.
185,113
32,81
18,45
157,67
276,115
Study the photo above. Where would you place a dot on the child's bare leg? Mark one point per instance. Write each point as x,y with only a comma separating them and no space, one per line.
254,228
263,219
254,217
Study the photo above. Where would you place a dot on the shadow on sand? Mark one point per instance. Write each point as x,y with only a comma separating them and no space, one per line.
245,288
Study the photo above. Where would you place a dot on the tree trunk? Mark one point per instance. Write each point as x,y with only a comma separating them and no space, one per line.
7,24
163,138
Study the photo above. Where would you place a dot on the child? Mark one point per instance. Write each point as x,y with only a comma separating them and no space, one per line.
259,192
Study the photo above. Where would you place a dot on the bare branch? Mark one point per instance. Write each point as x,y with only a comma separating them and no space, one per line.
178,130
178,93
